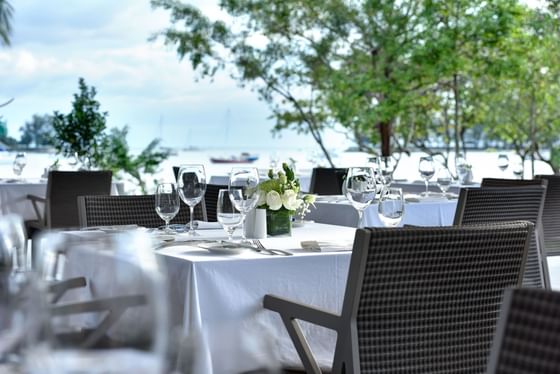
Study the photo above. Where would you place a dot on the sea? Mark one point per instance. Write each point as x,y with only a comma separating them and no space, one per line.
484,164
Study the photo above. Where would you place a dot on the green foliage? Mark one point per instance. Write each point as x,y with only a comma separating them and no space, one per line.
38,131
6,15
83,132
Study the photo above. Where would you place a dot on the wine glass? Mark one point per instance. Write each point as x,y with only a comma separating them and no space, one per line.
119,323
13,243
503,162
391,207
361,189
387,164
444,180
427,170
244,192
19,163
517,169
227,215
167,202
192,186
375,164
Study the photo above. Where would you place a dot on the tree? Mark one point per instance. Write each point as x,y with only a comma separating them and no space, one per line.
82,133
37,132
6,14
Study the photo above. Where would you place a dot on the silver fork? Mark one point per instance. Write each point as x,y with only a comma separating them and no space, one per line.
279,252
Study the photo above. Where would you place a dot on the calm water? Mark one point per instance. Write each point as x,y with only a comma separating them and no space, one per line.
484,163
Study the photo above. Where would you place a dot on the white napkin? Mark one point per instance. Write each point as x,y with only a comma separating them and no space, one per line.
294,245
203,225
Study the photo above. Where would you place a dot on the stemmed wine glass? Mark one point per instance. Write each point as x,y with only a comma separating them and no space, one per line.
427,170
19,163
192,186
391,207
167,202
244,192
13,243
444,180
387,164
503,162
228,216
361,189
517,169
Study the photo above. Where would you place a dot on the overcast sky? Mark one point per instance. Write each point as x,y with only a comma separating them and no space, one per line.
140,83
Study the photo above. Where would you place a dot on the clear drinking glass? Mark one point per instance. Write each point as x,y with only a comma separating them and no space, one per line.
444,180
192,186
387,165
244,192
503,162
19,163
427,170
13,243
167,202
517,169
228,216
391,207
361,189
120,327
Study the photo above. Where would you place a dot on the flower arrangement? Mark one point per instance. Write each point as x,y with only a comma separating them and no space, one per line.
280,192
280,197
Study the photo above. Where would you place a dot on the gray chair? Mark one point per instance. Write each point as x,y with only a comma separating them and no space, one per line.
60,203
499,204
551,215
418,300
528,334
130,210
327,181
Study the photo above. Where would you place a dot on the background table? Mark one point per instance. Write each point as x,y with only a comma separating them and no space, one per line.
427,212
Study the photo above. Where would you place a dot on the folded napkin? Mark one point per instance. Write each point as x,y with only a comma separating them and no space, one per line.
203,225
295,246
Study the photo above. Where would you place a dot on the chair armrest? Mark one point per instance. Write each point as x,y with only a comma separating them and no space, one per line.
114,306
290,311
58,288
34,200
296,310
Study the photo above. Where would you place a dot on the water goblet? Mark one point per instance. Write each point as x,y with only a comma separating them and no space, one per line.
167,202
503,162
13,243
192,186
244,192
360,189
375,164
387,165
19,163
228,216
391,207
517,169
427,170
444,180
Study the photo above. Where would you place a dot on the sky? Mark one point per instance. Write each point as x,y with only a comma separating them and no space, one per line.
140,83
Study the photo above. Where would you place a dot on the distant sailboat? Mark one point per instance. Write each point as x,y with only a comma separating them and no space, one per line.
243,158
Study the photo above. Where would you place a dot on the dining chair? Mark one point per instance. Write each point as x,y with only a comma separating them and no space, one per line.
498,204
327,181
551,215
130,210
527,337
60,202
499,182
417,300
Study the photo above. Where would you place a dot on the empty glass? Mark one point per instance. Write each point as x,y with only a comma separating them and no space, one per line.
444,180
391,207
244,192
360,184
517,169
503,162
228,216
13,243
427,170
19,163
387,165
192,186
167,202
119,323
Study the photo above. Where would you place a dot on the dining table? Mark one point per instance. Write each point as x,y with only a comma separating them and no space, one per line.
433,210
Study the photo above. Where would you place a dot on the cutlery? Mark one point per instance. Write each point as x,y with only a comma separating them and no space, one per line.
280,252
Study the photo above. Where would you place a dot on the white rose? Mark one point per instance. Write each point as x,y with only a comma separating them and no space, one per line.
262,198
273,200
290,200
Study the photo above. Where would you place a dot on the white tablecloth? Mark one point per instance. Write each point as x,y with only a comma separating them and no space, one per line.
432,212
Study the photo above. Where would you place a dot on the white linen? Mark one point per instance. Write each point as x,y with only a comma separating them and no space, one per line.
426,212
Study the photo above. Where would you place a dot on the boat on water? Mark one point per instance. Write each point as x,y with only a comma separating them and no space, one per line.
243,158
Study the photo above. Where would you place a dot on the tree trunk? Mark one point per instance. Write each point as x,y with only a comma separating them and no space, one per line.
385,132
